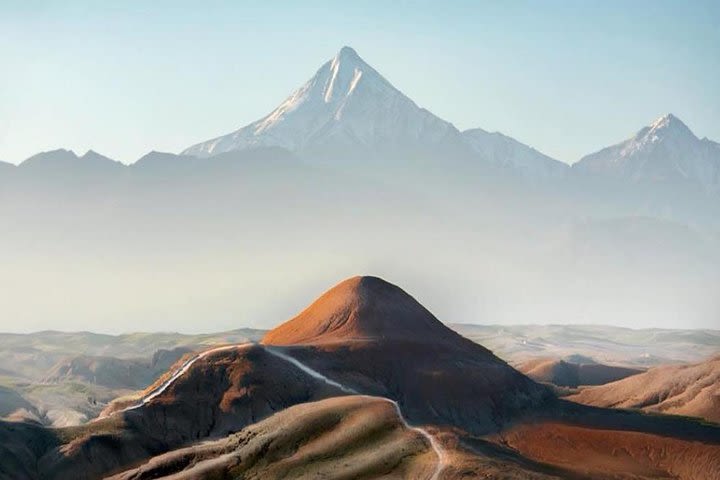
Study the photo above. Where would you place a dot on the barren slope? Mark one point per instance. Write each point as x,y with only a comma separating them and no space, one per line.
342,437
692,390
604,454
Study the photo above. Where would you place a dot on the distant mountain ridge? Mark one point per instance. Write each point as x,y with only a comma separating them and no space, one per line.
349,111
67,159
666,152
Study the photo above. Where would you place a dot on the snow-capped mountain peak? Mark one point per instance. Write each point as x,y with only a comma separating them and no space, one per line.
332,86
347,104
665,151
348,109
667,128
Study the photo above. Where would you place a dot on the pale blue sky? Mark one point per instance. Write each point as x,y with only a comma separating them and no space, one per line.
565,77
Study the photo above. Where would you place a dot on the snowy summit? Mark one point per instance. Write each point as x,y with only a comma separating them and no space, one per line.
665,151
347,103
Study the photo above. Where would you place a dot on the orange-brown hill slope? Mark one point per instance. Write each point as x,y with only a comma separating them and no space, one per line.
600,453
337,438
692,390
363,309
374,337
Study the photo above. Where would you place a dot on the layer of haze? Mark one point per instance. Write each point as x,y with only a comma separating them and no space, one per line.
565,77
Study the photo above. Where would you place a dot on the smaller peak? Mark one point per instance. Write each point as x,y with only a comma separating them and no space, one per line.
92,154
475,131
56,153
59,151
157,156
51,157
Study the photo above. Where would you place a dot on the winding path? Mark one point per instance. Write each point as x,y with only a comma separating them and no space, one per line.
179,373
434,443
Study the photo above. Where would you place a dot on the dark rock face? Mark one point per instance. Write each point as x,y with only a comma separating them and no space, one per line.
433,384
21,444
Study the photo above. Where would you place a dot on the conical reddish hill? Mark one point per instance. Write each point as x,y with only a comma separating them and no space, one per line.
374,338
363,309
